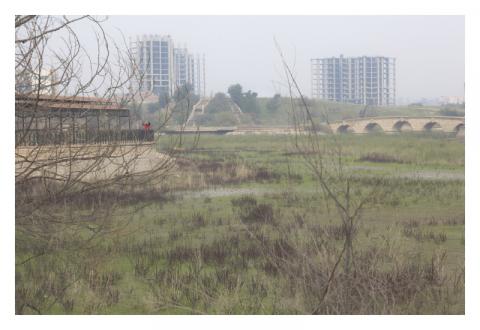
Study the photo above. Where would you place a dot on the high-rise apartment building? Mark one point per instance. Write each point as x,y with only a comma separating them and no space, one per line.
155,60
199,75
360,80
184,67
165,68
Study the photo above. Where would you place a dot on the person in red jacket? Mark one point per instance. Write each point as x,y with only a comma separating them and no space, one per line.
146,126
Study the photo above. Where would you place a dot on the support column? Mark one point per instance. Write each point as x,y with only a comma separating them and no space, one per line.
73,126
97,137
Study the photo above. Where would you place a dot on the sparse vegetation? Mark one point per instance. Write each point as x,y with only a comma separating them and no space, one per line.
268,248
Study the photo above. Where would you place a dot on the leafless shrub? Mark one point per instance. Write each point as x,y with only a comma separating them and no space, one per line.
198,220
252,212
180,253
337,232
376,157
216,252
159,221
299,220
174,235
432,222
244,202
142,265
69,196
249,252
422,236
206,166
264,174
204,173
324,158
454,221
440,238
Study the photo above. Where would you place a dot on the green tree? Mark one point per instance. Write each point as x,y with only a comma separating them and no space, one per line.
246,101
274,103
250,103
236,94
219,103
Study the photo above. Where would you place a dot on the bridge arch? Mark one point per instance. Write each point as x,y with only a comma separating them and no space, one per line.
402,126
391,124
373,128
460,130
432,126
345,128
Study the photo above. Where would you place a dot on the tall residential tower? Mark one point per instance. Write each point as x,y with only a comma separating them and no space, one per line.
360,80
155,60
164,68
184,67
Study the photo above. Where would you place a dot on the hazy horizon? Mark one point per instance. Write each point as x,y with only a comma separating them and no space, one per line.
430,50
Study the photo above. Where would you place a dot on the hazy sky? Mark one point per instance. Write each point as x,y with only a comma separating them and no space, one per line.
430,50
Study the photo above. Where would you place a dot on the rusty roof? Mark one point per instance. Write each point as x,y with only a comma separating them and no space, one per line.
47,102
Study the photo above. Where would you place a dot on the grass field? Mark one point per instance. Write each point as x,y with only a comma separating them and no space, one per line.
241,227
221,115
321,110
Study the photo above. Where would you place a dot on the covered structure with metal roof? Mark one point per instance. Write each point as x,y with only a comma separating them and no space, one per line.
44,119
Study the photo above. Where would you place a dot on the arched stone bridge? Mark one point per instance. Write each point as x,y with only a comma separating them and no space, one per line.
399,124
